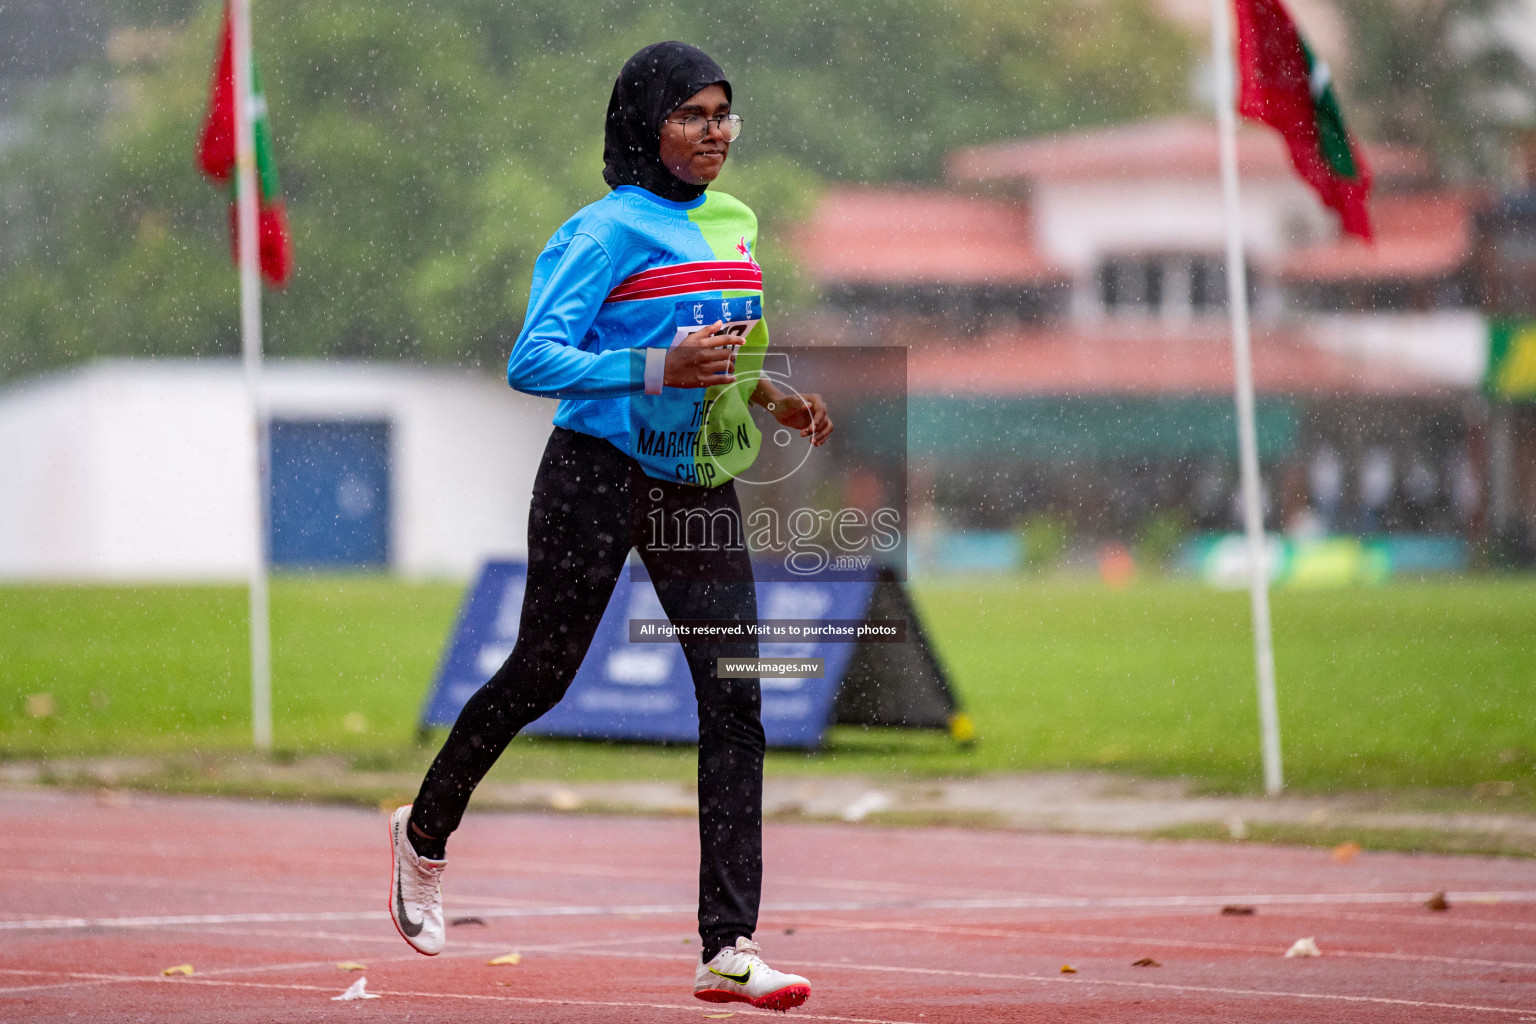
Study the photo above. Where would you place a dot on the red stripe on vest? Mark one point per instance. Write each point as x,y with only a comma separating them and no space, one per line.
682,278
745,284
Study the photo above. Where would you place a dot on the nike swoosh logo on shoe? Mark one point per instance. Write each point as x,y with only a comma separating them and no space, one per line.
740,979
409,927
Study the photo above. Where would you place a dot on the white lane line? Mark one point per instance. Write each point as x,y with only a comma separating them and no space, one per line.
16,990
696,1008
173,921
891,889
1451,920
1161,986
489,867
838,966
533,1000
499,867
600,910
1169,986
1204,900
309,893
381,938
1138,940
494,866
33,877
463,951
1043,979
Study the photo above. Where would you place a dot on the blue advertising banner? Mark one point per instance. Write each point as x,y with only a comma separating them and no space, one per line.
642,691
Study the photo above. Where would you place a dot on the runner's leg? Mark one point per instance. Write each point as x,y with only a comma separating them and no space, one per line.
578,540
714,581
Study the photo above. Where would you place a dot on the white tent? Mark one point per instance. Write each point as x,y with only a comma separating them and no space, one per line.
141,469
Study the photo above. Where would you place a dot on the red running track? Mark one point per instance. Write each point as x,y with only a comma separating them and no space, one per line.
920,926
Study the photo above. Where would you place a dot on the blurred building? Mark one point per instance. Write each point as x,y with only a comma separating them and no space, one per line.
145,469
1064,301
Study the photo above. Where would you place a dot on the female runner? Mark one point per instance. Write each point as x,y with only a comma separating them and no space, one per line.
645,308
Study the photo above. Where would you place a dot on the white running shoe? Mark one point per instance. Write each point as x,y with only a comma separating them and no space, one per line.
416,889
738,975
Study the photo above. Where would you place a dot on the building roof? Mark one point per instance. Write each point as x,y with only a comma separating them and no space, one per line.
1190,362
1419,236
905,236
1169,147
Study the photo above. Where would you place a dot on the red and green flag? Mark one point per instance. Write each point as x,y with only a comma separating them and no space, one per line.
216,156
1285,86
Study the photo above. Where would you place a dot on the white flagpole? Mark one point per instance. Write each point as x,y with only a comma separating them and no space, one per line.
250,343
1242,360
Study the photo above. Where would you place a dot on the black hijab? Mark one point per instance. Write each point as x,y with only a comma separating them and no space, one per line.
652,84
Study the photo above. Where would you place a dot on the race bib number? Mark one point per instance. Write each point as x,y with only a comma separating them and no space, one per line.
738,315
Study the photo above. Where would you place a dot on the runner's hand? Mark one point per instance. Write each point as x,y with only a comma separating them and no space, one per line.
703,359
808,413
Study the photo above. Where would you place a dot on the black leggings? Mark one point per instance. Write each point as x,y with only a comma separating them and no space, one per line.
591,505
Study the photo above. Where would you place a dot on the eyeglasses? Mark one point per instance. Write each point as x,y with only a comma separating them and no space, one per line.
696,126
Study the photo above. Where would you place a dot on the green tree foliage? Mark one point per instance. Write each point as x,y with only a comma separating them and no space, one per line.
1441,75
428,150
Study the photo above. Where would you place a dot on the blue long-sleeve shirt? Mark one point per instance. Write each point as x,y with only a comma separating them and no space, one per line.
633,272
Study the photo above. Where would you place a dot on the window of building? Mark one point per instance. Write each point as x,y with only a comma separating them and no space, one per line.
1173,284
1132,283
1207,284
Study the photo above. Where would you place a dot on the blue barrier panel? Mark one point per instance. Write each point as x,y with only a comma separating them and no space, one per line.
643,691
481,640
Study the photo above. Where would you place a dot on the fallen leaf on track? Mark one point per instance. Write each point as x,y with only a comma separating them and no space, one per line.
507,960
1235,910
351,965
1304,947
1068,969
1145,961
718,1016
178,969
1437,902
1345,852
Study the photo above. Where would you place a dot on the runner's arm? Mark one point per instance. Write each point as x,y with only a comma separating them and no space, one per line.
570,282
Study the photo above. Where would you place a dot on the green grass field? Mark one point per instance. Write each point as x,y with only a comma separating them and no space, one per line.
1414,685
